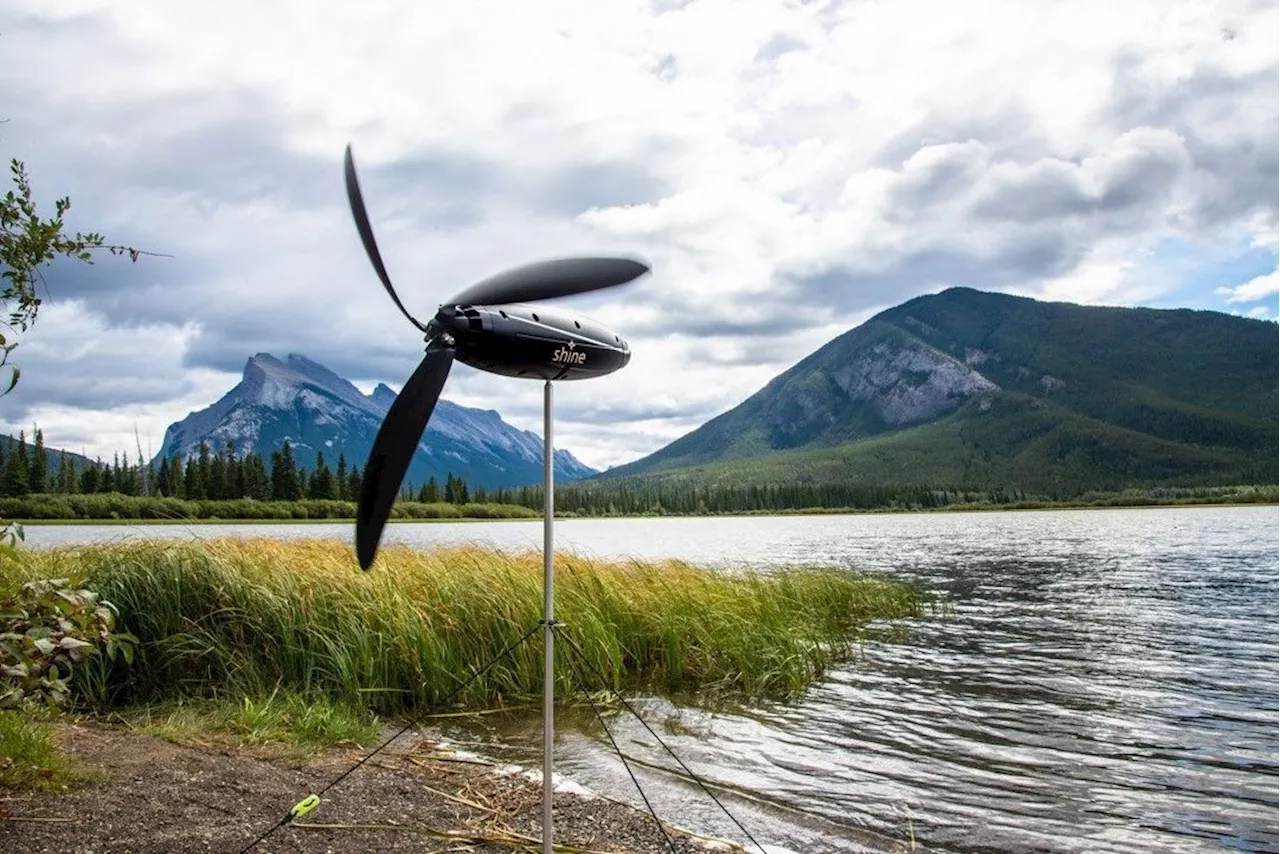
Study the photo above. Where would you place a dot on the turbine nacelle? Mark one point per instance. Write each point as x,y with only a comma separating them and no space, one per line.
530,341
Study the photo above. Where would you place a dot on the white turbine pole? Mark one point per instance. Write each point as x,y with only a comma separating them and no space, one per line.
548,616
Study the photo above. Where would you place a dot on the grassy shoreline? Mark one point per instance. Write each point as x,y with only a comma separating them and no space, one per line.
257,642
252,617
254,642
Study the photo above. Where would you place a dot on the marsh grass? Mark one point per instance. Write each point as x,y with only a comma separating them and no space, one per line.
235,618
29,753
277,718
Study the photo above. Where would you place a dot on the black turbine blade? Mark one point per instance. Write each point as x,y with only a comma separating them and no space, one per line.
397,438
366,235
547,279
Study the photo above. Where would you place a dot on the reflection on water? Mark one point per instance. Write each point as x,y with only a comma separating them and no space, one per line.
1107,682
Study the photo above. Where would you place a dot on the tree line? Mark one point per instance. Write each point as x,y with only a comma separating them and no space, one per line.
218,479
205,475
228,475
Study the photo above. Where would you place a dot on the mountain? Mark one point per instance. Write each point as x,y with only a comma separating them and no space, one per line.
316,410
967,388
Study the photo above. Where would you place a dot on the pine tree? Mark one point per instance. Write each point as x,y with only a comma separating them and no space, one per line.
15,480
204,472
177,486
293,479
107,475
38,475
67,480
257,483
285,482
354,480
340,478
217,485
162,479
89,479
124,475
277,475
322,485
431,491
234,484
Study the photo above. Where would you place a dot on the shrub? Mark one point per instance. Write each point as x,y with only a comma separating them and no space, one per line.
47,629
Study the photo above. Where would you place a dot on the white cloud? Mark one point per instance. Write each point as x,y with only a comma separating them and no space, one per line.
789,169
1257,288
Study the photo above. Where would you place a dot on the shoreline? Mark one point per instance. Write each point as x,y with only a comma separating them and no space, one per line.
418,795
1103,504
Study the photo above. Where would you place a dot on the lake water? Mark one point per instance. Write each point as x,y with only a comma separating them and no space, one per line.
1107,682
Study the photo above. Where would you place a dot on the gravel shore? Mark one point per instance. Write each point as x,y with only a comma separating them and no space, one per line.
149,796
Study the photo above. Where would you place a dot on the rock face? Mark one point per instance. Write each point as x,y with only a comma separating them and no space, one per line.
316,410
909,384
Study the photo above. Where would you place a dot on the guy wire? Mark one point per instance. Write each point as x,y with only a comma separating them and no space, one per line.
616,749
603,681
412,723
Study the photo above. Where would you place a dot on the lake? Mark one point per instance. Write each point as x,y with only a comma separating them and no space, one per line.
1106,681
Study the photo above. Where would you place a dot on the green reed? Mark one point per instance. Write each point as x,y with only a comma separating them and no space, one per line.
245,617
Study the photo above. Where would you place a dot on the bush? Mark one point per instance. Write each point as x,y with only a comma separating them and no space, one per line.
420,510
48,629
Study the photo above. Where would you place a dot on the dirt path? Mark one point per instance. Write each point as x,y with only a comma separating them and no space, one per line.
154,797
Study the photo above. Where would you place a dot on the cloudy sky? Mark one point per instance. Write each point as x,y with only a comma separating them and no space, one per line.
789,168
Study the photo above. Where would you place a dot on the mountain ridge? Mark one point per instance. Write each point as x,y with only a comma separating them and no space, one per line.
1192,379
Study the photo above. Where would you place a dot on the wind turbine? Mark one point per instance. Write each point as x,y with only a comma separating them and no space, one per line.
492,326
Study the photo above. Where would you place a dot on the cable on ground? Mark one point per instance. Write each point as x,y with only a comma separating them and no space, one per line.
618,750
603,681
310,802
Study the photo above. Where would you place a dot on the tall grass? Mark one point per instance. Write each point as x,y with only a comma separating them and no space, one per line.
244,617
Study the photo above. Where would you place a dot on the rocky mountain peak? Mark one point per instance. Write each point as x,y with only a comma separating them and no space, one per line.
382,396
300,400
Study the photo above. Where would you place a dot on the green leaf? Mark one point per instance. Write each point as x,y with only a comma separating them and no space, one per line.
45,645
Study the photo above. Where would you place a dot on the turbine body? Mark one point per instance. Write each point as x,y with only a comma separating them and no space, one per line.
531,342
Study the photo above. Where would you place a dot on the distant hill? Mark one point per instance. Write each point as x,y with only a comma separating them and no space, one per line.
316,410
982,390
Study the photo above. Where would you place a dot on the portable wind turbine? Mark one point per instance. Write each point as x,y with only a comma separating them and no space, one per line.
489,326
